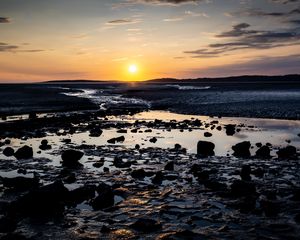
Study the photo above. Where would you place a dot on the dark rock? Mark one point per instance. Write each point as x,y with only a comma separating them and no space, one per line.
20,183
146,225
158,178
70,178
259,145
205,148
242,149
207,134
219,128
245,173
7,224
289,152
96,132
105,198
98,164
270,208
115,140
177,147
82,194
195,169
105,229
169,166
45,201
153,140
71,157
119,163
138,173
258,172
122,131
24,152
44,145
242,188
137,147
230,129
263,152
8,152
215,185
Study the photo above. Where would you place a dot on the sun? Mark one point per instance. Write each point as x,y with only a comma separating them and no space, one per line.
133,69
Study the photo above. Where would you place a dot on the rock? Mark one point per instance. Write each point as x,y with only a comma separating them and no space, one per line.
205,148
195,169
82,194
24,152
219,128
44,145
32,115
7,224
242,149
230,129
8,152
138,173
96,132
263,152
105,197
245,173
98,164
241,188
270,208
158,178
258,172
45,201
71,157
289,152
146,225
21,183
7,141
119,163
122,131
137,147
153,140
169,166
115,140
259,145
177,147
214,185
207,134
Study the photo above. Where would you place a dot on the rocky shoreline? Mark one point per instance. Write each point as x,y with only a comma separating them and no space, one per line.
81,191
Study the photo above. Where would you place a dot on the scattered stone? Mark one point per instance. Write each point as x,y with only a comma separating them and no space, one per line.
153,140
242,149
146,225
71,157
207,134
241,188
158,178
230,129
24,152
245,173
44,145
169,166
122,131
263,152
119,163
105,197
138,173
8,152
289,152
117,139
205,148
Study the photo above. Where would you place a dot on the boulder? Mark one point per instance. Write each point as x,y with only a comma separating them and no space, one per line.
44,145
8,152
105,197
24,152
117,139
230,129
138,173
119,163
240,188
20,183
242,149
153,140
289,152
45,201
96,132
82,194
71,157
205,148
207,134
263,152
169,166
245,173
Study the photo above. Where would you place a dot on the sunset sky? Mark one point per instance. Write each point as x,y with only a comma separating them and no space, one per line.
101,39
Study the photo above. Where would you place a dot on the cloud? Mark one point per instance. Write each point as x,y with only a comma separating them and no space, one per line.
5,47
122,22
285,1
127,3
253,12
263,65
240,37
5,20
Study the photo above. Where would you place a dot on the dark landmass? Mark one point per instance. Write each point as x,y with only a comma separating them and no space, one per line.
34,98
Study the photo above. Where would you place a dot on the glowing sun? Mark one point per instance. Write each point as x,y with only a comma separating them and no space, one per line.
133,69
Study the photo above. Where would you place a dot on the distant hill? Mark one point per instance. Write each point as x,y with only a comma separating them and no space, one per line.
246,78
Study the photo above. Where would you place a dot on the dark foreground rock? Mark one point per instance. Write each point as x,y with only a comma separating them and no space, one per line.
289,152
8,152
242,149
71,157
205,148
105,197
24,152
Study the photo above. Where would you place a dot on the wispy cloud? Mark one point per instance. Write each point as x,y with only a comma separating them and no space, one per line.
124,21
5,20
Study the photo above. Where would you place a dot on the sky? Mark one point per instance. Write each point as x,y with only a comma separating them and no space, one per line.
100,39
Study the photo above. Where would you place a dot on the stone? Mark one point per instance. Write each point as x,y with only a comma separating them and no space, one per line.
71,157
242,150
146,225
263,152
24,152
8,152
205,148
